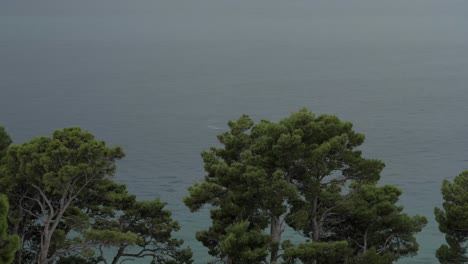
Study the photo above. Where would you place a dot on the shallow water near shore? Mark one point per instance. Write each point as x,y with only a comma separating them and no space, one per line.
161,79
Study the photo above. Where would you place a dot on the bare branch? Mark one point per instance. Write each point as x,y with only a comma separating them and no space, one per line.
49,204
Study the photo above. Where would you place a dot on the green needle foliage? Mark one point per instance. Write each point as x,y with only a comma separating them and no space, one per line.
370,219
244,245
293,171
66,206
44,180
5,142
317,252
9,244
244,184
142,229
453,220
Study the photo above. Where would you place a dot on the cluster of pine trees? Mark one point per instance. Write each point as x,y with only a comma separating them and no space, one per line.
59,204
65,208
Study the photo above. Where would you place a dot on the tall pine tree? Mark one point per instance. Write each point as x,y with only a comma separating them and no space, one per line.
453,220
292,171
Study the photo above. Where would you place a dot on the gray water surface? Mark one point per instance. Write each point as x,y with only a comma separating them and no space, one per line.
161,79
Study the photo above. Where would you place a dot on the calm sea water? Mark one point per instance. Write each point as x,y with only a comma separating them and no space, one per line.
161,79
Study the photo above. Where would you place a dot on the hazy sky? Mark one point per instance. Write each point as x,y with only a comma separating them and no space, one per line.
207,7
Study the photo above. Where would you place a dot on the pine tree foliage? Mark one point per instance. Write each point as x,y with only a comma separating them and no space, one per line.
293,171
453,220
5,141
65,206
9,244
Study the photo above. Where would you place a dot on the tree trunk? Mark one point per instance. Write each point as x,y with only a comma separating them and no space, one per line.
275,235
44,250
46,237
365,241
51,225
19,253
315,223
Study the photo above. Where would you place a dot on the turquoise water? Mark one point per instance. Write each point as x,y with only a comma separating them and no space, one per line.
161,79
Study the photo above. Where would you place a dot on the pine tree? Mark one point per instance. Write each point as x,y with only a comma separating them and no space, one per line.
453,220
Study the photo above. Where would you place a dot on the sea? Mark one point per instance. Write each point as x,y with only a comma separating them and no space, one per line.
161,78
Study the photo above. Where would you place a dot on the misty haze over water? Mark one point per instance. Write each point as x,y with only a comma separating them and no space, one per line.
161,78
